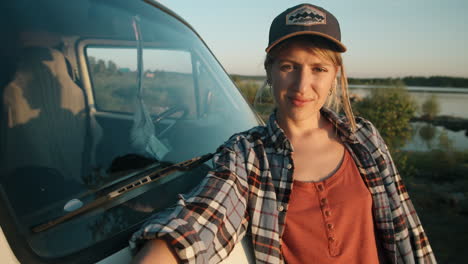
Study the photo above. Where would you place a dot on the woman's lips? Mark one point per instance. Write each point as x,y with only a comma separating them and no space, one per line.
297,101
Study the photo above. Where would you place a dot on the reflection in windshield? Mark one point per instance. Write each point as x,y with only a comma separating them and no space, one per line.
114,220
69,108
122,187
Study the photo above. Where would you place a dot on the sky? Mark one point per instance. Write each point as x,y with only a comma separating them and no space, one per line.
384,38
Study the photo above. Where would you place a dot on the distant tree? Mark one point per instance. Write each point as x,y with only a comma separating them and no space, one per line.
100,66
377,81
111,67
390,110
92,64
248,89
236,79
431,107
92,60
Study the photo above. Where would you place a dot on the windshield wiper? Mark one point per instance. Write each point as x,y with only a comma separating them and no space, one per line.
115,193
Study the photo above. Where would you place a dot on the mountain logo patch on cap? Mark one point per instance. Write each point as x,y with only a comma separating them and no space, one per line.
306,16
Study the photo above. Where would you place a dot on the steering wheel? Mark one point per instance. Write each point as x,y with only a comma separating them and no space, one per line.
169,112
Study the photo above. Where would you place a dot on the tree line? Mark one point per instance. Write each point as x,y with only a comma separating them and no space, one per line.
101,66
432,81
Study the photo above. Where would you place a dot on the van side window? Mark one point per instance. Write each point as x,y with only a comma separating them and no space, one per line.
167,79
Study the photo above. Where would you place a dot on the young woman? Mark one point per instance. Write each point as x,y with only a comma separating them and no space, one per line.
311,186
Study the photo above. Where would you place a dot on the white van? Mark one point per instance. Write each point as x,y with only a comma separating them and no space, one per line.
100,98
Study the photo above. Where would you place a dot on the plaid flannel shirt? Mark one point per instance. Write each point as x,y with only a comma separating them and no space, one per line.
249,188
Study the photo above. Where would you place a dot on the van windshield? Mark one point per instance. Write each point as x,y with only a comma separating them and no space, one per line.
93,93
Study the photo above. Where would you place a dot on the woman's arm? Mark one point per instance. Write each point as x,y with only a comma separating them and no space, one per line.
192,227
155,251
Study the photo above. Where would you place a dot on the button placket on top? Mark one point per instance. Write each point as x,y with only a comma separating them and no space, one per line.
326,214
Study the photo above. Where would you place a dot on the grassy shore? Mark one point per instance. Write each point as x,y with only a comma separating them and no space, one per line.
439,189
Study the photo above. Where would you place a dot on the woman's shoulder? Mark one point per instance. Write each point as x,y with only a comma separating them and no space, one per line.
246,139
364,124
367,133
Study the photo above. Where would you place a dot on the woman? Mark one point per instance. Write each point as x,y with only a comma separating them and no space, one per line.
311,186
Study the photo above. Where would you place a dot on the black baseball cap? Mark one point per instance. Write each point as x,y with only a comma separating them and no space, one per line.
305,19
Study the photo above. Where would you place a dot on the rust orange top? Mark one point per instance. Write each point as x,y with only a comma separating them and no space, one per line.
331,221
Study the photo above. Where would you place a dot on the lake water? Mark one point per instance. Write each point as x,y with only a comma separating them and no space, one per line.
426,137
453,102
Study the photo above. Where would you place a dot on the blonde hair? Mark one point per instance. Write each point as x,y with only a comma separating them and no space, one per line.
322,48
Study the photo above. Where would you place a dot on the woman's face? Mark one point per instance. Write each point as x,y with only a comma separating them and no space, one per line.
301,82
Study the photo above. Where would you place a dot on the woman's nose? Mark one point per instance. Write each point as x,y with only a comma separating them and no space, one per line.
303,80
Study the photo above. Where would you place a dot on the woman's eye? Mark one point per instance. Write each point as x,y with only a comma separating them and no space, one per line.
320,69
286,67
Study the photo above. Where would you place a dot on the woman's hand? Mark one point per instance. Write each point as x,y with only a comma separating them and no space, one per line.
155,251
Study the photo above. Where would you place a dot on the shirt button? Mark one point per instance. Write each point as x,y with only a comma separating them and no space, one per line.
320,187
327,213
323,201
330,226
289,166
280,208
331,239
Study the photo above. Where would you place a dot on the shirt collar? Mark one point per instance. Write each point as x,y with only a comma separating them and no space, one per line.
276,134
341,124
280,141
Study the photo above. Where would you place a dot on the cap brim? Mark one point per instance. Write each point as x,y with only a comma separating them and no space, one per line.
339,45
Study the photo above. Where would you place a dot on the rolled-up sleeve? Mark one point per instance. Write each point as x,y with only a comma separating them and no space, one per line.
204,226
